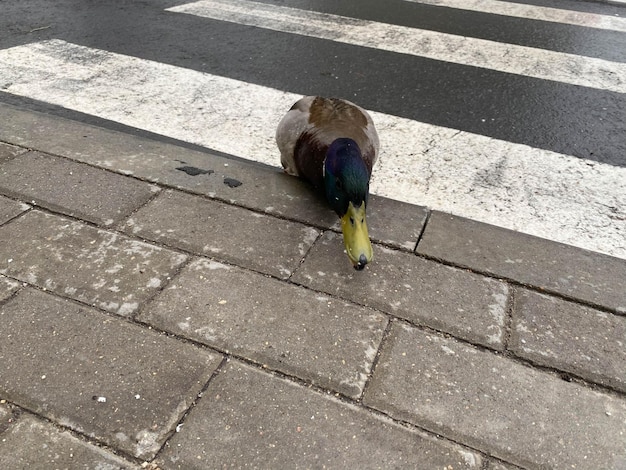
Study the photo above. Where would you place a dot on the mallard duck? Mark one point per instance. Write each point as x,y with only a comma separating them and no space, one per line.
333,144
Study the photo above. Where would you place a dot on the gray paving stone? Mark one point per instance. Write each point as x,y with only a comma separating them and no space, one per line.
570,337
10,208
229,233
33,443
7,287
263,188
422,291
99,375
9,151
100,268
73,188
288,328
494,465
565,269
513,412
395,223
249,419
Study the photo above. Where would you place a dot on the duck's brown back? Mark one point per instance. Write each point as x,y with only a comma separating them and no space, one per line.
312,124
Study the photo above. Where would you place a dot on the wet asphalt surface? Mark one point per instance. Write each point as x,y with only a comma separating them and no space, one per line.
583,122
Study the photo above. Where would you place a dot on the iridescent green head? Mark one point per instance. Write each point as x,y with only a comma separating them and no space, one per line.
346,181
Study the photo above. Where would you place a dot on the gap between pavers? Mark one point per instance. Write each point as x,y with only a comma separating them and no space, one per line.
31,443
7,287
10,208
9,151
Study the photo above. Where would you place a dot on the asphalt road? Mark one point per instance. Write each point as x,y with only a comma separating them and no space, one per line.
543,109
563,118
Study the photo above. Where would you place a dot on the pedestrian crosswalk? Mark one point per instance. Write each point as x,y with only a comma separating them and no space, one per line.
541,191
521,60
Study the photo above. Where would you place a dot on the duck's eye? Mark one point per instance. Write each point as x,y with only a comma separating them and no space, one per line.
351,220
338,184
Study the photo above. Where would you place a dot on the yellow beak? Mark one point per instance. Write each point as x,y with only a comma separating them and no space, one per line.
355,236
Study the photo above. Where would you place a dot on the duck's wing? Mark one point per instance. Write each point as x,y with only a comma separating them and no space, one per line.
291,127
333,118
312,124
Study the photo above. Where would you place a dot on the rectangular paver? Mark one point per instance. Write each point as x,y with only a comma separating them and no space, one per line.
225,232
32,443
570,337
565,269
394,223
99,375
10,208
247,418
411,287
286,327
73,188
494,465
508,410
95,266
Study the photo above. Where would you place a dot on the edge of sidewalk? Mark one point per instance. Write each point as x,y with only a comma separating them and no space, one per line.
573,273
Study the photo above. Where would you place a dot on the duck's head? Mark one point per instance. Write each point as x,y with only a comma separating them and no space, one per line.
346,180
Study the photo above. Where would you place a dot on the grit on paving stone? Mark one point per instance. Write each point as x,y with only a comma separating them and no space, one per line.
508,410
94,266
9,151
552,266
10,208
570,337
76,189
225,232
393,222
7,287
285,327
99,375
247,418
422,291
33,443
493,465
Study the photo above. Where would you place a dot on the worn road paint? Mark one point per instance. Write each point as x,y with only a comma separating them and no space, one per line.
533,12
567,199
520,60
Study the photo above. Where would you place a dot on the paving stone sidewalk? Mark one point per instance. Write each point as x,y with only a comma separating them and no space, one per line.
162,307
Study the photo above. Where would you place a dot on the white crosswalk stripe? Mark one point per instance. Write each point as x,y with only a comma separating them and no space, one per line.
521,60
533,12
567,199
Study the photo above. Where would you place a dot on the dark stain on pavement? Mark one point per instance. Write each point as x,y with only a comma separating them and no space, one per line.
232,182
193,171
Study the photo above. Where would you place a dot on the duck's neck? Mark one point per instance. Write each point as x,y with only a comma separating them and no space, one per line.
346,176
